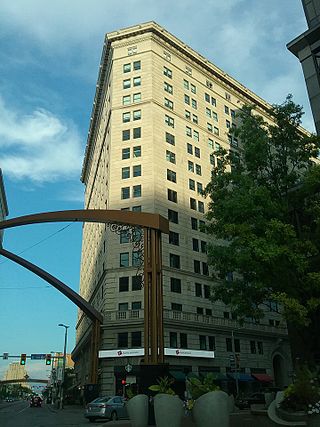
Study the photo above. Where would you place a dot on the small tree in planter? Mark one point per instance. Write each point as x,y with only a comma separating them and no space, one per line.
208,399
168,408
137,407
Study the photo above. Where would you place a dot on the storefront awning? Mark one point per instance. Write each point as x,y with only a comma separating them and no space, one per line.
264,378
178,375
216,375
240,376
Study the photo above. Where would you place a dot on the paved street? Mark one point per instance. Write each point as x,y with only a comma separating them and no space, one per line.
19,414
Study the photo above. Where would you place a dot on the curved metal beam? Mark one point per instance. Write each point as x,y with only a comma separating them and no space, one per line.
139,219
60,286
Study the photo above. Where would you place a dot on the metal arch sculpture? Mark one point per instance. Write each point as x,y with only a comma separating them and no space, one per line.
153,225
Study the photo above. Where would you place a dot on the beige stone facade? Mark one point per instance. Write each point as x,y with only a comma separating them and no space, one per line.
160,110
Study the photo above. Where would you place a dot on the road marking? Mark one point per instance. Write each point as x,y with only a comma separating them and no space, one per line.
22,410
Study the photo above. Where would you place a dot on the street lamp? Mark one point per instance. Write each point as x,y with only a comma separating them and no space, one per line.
64,362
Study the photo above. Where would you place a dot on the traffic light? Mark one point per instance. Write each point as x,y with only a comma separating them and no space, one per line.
23,358
48,359
123,382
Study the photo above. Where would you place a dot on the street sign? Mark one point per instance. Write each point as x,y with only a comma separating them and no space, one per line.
128,367
5,356
38,356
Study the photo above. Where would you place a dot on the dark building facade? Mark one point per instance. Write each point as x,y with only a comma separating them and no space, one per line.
306,48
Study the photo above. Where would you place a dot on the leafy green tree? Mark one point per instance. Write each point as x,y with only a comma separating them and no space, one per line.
264,217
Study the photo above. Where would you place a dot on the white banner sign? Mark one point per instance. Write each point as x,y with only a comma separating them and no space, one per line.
178,352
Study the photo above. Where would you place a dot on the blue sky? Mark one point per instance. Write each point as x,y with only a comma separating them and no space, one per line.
49,59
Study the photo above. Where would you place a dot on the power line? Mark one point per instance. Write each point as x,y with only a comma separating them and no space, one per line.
40,241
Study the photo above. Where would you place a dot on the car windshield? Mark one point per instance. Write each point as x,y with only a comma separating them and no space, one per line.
100,400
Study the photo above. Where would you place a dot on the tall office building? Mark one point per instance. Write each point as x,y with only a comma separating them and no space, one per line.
306,48
15,372
159,112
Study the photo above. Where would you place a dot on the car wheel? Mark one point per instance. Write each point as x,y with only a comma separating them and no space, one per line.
92,420
114,416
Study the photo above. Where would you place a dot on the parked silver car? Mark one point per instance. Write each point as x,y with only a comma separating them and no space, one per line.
112,408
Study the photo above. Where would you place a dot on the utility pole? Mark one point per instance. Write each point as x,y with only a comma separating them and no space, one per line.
235,361
64,363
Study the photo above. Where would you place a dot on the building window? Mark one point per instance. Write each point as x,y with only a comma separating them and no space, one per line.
203,342
125,173
209,127
183,340
190,166
260,347
137,65
170,139
123,340
136,97
126,117
136,338
136,191
126,135
196,266
202,226
136,305
174,261
136,258
175,285
126,68
187,99
173,339
194,223
126,84
169,121
186,84
228,124
168,103
188,131
196,135
193,203
136,133
136,283
124,236
167,72
172,196
126,100
226,109
198,289
199,188
253,349
187,114
123,306
226,314
237,345
171,176
136,170
229,344
124,259
188,71
189,148
197,152
173,216
137,151
200,206
195,119
170,156
213,101
136,209
132,50
206,289
233,114
208,312
168,88
193,88
205,269
125,153
194,104
176,307
216,130
173,238
125,193
137,81
212,343
195,245
123,284
137,115
200,310
207,97
198,169
192,184
203,247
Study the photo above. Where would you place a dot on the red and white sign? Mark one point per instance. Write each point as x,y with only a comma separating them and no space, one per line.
178,352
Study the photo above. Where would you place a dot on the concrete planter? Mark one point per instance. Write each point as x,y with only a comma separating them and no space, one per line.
137,408
168,410
212,410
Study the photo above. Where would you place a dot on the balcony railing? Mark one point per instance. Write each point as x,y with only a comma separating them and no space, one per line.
184,316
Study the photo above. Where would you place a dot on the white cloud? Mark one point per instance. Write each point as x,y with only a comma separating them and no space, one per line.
38,146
